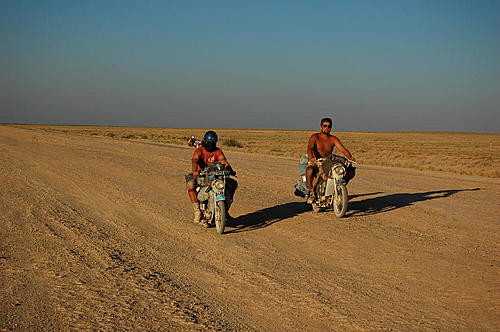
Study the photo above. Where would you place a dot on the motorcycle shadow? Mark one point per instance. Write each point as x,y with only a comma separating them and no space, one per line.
381,204
266,217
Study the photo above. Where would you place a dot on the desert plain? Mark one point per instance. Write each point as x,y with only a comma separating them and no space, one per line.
97,234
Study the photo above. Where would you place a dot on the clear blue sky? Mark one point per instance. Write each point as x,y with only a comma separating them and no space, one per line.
371,65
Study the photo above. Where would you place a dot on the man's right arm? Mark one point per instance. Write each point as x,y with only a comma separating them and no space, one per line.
194,162
310,147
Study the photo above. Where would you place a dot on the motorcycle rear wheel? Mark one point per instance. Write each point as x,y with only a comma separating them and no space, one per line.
220,217
340,201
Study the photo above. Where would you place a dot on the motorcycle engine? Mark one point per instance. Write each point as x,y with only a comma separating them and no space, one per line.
203,193
321,188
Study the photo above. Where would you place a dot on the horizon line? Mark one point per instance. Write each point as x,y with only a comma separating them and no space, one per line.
241,128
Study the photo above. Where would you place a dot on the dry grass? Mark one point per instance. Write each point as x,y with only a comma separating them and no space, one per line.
462,153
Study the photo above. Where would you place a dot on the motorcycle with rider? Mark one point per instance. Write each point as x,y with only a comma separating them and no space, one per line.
324,175
210,186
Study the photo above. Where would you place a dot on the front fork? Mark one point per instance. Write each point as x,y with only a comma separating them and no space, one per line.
210,205
331,187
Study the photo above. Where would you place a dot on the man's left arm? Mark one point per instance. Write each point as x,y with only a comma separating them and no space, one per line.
222,158
223,161
342,148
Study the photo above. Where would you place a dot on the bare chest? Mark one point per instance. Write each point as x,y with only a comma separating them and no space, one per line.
325,145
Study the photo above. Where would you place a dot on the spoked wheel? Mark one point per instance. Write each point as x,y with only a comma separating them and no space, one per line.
220,217
340,201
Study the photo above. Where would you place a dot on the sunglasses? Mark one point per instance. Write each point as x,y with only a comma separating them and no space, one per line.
326,126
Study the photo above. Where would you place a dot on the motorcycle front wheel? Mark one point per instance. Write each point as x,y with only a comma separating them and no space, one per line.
220,216
340,201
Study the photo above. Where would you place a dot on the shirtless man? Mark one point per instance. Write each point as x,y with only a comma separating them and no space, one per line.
321,145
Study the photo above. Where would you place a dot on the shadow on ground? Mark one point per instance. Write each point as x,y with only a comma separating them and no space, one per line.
391,202
367,194
268,216
368,206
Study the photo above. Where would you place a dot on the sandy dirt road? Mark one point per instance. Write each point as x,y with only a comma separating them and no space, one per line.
96,233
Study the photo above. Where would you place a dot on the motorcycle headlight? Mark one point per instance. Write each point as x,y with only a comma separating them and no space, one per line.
219,184
340,170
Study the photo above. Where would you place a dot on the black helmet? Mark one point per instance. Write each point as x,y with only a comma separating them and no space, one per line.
210,136
210,140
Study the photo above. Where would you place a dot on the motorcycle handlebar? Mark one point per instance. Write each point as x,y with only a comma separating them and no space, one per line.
347,160
223,172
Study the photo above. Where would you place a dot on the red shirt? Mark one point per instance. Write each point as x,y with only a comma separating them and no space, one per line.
204,158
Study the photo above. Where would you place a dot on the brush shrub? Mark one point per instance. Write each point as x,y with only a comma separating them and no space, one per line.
232,142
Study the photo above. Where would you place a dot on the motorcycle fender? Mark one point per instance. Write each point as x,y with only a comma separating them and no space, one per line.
330,185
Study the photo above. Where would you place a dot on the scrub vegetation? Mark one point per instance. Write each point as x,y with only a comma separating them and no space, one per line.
455,152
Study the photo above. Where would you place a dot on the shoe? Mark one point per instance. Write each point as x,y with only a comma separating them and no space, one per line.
205,224
197,213
310,198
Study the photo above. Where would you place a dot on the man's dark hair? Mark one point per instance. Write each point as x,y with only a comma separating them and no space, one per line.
329,120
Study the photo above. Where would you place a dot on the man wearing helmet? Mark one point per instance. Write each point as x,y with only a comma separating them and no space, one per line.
203,156
321,145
